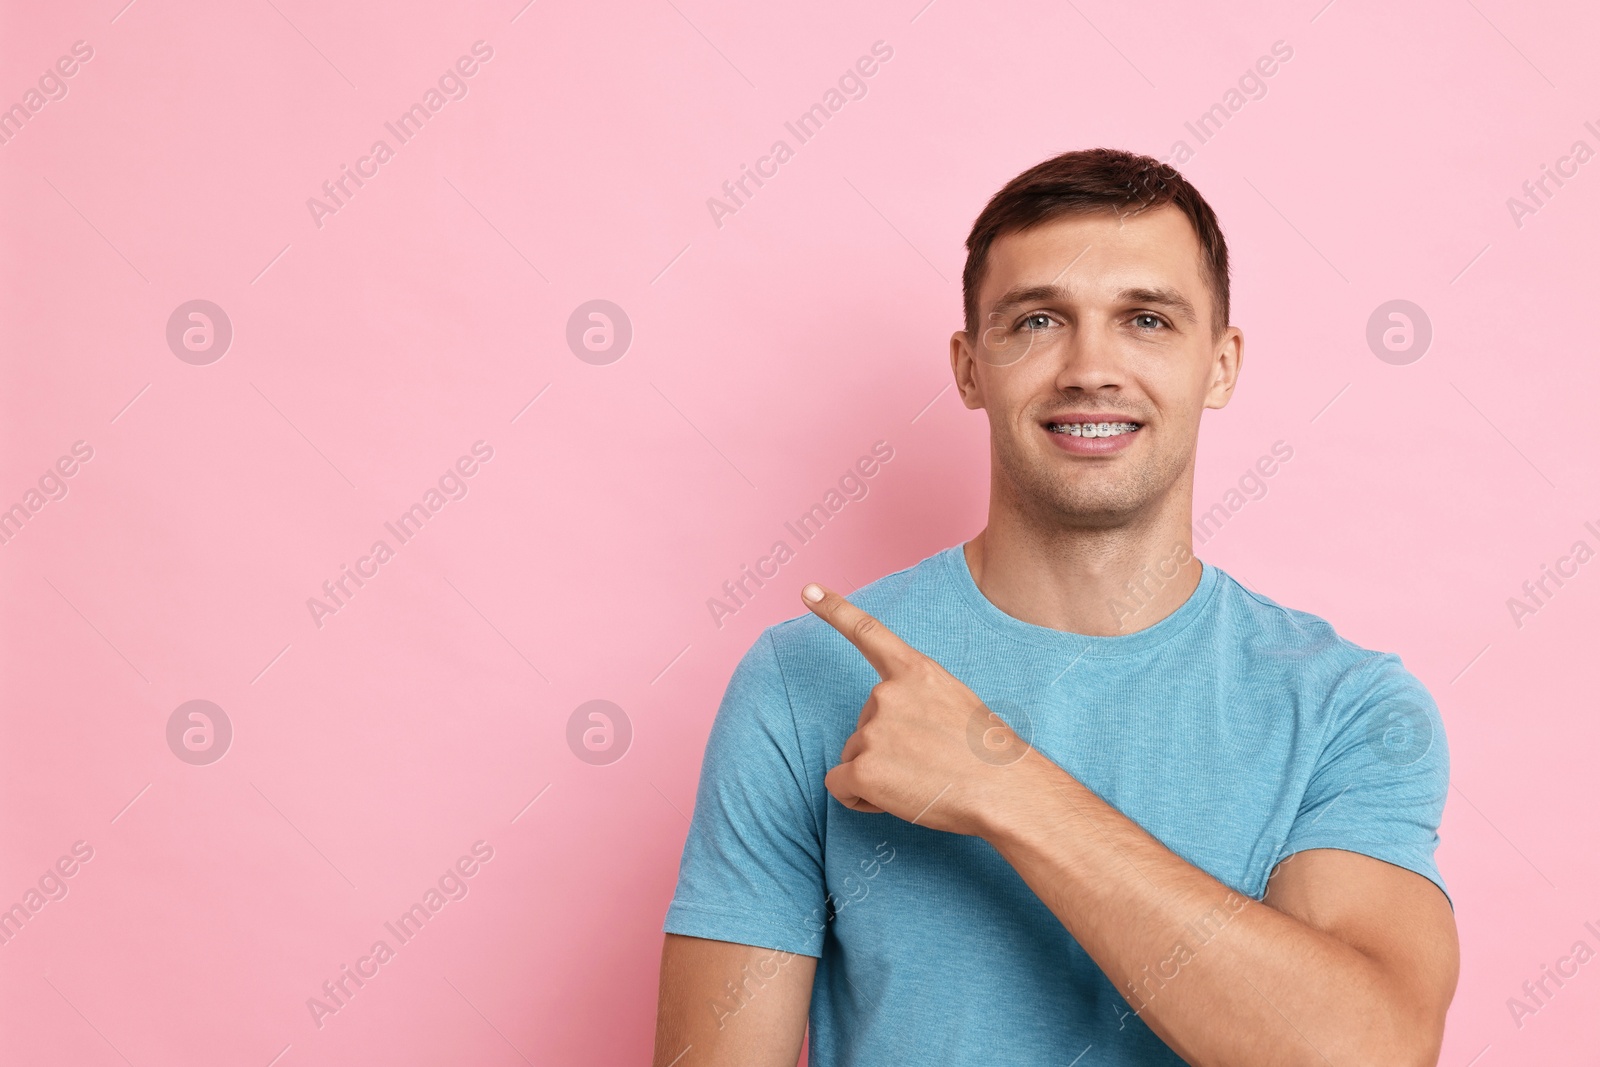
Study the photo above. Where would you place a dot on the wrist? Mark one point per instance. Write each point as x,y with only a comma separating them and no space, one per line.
1022,800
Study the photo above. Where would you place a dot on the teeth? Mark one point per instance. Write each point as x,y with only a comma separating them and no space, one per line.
1094,429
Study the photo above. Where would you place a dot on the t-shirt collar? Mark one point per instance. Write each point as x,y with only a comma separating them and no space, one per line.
960,576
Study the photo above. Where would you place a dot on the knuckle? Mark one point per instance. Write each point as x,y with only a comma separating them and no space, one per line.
915,667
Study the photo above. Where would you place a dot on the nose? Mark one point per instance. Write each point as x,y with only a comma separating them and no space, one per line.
1089,360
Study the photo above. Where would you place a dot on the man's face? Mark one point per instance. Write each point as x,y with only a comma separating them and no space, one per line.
1116,330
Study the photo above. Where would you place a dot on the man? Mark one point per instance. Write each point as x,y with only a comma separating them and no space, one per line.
1066,791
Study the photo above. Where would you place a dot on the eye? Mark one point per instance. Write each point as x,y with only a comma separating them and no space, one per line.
1040,317
1150,315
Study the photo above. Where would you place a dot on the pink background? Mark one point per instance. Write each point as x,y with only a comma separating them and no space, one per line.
371,352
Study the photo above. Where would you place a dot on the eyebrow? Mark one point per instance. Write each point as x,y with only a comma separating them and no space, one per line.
1161,297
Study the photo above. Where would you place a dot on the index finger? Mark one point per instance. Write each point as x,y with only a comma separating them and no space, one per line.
880,645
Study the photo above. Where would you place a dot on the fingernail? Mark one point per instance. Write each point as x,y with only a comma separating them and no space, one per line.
813,592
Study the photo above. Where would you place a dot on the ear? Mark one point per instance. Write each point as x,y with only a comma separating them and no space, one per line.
1227,358
965,369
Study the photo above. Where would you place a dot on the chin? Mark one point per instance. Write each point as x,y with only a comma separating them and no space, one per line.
1098,510
1097,499
1089,496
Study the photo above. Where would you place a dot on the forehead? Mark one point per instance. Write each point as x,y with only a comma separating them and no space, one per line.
1096,251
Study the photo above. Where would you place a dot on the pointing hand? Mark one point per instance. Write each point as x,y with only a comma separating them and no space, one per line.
925,747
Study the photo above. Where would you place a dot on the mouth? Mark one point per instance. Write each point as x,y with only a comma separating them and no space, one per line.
1093,429
1086,435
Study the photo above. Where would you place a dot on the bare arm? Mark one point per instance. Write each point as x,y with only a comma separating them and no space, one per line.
728,1005
1349,960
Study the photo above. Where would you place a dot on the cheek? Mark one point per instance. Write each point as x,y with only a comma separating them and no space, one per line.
1175,384
1013,395
1036,384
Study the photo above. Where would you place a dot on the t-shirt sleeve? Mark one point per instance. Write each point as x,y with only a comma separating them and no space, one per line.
1379,785
752,869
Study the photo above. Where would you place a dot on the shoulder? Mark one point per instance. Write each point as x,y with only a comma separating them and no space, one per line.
1298,640
1356,690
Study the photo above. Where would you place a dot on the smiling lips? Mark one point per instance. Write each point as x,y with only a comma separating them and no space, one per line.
1091,435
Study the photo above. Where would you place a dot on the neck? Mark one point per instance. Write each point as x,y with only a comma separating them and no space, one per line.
1097,581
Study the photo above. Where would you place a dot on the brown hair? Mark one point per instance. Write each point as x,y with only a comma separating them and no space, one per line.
1088,180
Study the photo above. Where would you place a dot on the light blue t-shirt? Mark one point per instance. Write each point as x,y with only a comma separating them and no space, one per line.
1235,731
